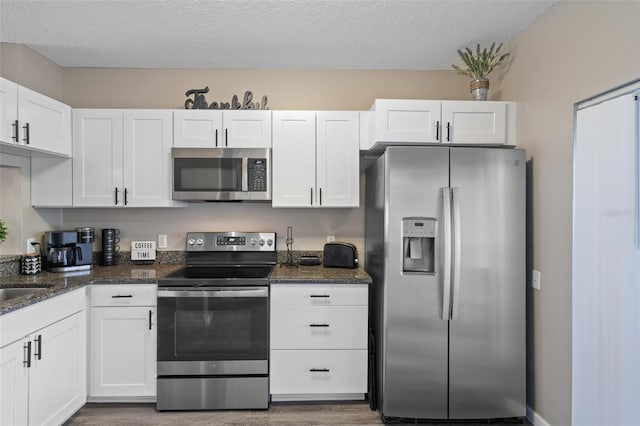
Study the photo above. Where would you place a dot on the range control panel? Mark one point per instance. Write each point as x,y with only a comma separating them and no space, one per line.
231,241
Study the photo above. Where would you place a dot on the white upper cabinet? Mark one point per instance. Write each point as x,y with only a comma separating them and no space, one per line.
33,121
423,122
122,158
315,159
222,129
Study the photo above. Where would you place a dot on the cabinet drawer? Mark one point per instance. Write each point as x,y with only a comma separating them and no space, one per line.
318,372
123,295
319,294
323,327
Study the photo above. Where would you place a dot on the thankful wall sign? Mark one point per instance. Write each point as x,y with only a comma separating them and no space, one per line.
199,102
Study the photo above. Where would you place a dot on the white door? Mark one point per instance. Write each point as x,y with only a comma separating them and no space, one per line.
472,122
9,112
246,129
57,381
45,123
97,158
407,121
193,128
147,142
14,384
122,352
338,159
294,159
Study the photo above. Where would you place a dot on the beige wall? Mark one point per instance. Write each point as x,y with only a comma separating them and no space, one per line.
24,66
575,50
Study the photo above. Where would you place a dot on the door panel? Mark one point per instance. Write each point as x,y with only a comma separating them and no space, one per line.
415,337
487,340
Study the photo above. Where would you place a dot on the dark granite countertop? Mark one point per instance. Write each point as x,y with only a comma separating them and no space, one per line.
318,274
58,283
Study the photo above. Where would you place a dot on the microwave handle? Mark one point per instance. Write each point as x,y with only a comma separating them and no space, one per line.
245,174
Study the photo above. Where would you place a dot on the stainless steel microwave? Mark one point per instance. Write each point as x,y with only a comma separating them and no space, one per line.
221,174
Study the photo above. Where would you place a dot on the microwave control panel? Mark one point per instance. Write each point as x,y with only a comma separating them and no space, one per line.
257,174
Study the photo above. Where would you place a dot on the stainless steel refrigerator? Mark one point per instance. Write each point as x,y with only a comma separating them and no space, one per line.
445,246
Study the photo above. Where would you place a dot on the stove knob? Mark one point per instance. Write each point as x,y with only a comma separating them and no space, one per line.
269,242
261,242
191,241
253,242
199,241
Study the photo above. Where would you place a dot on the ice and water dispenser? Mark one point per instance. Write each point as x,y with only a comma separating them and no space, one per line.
418,242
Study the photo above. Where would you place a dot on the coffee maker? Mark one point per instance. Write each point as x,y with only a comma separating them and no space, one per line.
67,251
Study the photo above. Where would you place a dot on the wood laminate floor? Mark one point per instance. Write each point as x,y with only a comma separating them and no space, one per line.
278,414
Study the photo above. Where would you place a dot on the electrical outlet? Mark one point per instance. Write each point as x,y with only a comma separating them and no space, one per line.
331,238
162,241
535,279
30,248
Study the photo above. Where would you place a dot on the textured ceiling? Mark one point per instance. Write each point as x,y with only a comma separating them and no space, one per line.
312,34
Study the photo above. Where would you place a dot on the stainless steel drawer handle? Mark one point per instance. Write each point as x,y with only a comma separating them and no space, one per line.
122,296
319,370
318,325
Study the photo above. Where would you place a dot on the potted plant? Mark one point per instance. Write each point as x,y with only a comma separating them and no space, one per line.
479,64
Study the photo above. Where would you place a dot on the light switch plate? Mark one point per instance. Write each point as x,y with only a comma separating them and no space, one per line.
162,241
535,279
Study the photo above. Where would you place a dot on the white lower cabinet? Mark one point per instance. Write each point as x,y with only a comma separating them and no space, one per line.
122,343
43,371
318,341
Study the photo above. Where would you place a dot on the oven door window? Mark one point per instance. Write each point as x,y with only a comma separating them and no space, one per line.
210,328
207,174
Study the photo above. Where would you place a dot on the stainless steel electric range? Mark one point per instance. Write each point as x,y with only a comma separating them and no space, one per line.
213,324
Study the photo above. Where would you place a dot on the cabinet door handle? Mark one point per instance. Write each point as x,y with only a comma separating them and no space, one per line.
15,125
37,351
126,192
319,295
122,296
26,133
150,323
226,137
311,199
448,131
438,130
319,370
26,361
116,191
318,325
216,137
320,196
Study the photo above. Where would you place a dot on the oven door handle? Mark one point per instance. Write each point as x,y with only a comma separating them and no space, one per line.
214,292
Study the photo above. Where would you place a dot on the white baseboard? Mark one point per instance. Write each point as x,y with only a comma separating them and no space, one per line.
536,419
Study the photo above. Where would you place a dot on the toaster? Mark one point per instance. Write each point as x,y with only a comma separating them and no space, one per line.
340,255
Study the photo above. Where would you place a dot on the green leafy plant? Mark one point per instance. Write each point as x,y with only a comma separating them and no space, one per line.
3,231
481,62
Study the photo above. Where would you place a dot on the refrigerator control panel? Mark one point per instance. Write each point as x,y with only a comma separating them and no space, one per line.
418,242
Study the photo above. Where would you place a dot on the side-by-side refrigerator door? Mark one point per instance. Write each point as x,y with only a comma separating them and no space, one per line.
415,334
487,328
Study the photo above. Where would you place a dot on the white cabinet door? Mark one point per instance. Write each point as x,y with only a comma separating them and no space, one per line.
222,129
193,128
294,158
122,352
147,145
57,377
246,129
45,123
14,384
97,158
406,121
337,163
473,122
9,112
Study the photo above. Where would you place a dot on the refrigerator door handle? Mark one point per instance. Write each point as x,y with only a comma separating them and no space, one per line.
455,271
446,254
